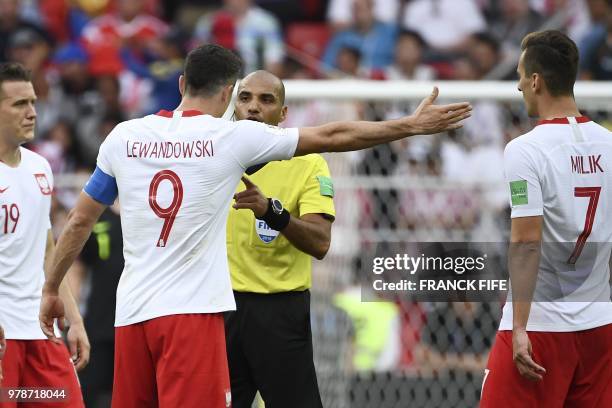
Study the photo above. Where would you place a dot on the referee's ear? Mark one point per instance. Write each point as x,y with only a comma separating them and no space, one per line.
283,114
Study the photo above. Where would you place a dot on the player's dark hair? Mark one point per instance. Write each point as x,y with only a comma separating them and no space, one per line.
209,68
13,71
553,55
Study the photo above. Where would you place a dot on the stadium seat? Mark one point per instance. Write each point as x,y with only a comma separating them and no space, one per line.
309,38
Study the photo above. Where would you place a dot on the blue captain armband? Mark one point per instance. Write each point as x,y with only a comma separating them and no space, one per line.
101,187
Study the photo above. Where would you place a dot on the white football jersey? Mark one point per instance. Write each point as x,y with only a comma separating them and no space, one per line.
562,170
25,205
176,172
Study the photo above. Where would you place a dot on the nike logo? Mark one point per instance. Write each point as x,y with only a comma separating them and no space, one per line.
2,190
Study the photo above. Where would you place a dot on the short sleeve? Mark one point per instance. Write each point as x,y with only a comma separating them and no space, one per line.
318,193
52,187
107,152
523,181
255,143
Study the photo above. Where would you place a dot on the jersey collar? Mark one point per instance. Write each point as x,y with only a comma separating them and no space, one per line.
187,113
562,121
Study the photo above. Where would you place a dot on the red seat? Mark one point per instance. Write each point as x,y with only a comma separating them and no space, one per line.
309,38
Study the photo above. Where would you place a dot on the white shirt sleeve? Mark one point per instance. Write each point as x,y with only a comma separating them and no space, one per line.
255,143
523,181
52,187
107,152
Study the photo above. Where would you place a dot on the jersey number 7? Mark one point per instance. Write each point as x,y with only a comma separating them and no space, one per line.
169,213
593,194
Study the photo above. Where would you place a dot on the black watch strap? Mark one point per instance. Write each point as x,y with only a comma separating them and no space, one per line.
276,221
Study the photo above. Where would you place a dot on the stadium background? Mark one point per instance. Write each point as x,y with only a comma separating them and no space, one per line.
93,68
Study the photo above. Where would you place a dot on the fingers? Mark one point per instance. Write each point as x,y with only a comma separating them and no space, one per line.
246,193
250,199
248,183
82,355
529,368
246,206
46,324
456,106
434,94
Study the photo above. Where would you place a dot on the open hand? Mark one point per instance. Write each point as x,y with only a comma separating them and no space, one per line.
429,118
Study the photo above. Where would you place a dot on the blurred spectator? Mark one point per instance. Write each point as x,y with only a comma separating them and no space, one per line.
10,22
347,61
374,39
30,48
166,66
129,27
517,19
444,24
66,20
340,12
60,148
596,57
249,30
73,97
484,50
377,330
408,59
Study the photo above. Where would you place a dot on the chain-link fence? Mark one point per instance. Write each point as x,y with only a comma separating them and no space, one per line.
443,188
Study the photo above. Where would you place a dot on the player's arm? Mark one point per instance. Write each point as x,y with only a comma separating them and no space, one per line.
310,233
78,342
345,136
81,220
523,263
522,168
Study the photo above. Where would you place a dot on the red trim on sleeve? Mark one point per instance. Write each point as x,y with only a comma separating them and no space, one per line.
187,113
562,121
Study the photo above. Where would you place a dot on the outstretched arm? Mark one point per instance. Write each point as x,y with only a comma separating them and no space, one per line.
345,136
70,243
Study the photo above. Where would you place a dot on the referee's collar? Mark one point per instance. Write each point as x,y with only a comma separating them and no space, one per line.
562,121
187,113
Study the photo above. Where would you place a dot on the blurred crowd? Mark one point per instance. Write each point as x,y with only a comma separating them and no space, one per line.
98,62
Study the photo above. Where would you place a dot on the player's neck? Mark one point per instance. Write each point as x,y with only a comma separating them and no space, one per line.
558,107
10,155
206,106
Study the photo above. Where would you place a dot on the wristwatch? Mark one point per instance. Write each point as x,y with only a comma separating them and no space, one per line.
277,206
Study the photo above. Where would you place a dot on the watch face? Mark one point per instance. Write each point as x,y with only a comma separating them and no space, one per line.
277,206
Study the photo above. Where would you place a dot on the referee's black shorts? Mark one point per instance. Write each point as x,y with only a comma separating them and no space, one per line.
269,348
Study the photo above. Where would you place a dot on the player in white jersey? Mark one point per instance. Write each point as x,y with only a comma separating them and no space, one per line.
554,347
175,174
26,185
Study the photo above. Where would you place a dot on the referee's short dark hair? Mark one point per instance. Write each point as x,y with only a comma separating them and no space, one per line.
14,72
553,55
209,68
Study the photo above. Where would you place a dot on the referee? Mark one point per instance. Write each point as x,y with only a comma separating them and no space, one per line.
269,340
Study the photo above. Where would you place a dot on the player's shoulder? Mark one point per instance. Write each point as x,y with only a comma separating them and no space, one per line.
31,157
537,139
